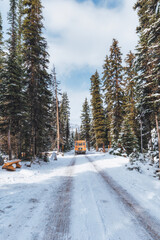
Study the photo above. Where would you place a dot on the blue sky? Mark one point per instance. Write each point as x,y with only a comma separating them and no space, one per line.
106,3
79,34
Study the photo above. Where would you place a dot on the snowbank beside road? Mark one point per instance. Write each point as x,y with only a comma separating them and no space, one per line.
24,196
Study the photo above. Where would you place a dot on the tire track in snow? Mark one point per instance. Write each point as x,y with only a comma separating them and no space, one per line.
59,219
151,226
87,221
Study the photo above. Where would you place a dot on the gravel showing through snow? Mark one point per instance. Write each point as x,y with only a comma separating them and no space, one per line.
90,197
59,216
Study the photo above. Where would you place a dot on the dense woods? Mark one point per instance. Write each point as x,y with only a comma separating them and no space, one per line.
125,97
28,92
128,94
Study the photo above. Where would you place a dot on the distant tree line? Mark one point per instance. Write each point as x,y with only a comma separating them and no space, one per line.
125,102
28,113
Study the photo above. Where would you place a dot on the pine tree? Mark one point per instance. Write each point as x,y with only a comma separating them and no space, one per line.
130,92
76,137
154,60
55,108
19,28
71,140
142,57
86,121
148,61
2,54
112,81
128,140
2,71
12,86
108,98
64,121
37,78
97,111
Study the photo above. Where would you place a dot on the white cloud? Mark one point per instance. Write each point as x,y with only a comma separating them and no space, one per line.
80,34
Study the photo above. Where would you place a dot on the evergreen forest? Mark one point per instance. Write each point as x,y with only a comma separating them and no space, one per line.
125,97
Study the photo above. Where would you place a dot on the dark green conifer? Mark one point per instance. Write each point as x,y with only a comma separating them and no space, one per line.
128,140
148,65
76,137
2,71
108,95
37,78
130,92
112,81
2,54
12,86
64,121
86,123
97,111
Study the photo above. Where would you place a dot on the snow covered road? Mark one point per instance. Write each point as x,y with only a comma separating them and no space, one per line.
77,198
102,213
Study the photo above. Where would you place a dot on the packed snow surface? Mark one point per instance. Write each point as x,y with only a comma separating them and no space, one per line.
71,199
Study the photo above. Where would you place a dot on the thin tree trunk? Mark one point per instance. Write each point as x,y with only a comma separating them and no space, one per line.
158,132
96,147
9,142
104,150
141,136
20,145
88,145
57,112
33,141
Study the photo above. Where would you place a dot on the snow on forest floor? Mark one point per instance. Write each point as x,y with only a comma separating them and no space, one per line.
70,199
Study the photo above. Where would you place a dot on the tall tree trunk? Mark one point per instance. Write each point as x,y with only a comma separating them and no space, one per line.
104,150
57,112
96,147
33,140
88,145
158,132
9,142
141,136
19,145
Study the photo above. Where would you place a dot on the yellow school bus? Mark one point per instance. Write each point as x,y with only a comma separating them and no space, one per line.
80,146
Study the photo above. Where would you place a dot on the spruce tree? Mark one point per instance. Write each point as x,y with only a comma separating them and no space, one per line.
37,78
116,76
148,61
2,54
76,136
86,123
130,92
128,140
97,111
2,71
108,98
154,60
55,109
19,30
12,86
112,86
65,121
145,110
